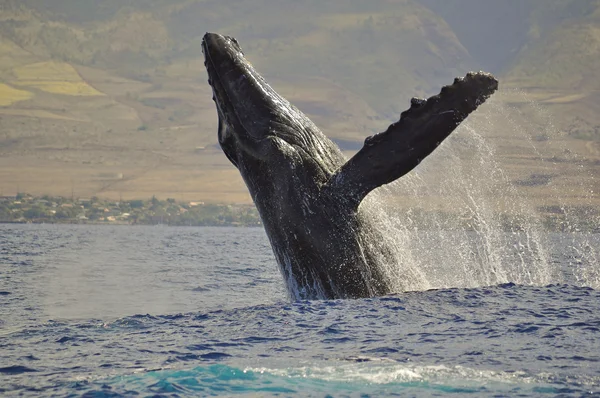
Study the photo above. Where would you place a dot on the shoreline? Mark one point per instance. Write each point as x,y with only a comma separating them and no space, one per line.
121,223
101,223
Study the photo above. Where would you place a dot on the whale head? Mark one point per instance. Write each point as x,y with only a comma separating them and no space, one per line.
257,126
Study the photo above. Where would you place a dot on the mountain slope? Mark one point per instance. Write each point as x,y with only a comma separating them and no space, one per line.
566,56
93,89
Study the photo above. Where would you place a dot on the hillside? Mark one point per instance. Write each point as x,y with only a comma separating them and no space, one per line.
110,98
559,67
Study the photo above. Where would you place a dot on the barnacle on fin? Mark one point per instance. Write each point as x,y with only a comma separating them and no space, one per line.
416,102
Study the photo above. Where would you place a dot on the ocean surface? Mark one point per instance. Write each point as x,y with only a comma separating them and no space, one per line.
110,311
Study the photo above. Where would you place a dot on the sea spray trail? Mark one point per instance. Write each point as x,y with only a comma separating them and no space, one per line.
536,123
468,218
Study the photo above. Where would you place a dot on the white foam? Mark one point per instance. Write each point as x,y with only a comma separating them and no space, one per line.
465,178
443,375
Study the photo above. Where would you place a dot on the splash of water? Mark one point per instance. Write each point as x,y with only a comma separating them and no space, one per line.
476,213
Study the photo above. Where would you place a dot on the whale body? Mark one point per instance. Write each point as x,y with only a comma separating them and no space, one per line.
307,193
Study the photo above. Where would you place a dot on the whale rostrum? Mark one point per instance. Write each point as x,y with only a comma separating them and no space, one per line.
307,193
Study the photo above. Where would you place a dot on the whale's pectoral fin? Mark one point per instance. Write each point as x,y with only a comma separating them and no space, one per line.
390,155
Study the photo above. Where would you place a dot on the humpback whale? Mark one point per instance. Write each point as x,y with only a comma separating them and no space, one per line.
307,193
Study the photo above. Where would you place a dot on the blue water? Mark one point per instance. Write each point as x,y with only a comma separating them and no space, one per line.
101,311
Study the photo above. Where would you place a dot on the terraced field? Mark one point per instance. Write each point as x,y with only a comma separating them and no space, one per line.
9,95
54,77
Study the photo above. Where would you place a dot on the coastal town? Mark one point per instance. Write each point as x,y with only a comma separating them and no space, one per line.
25,208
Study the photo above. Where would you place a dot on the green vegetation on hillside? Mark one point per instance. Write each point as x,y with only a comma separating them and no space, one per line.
47,209
24,208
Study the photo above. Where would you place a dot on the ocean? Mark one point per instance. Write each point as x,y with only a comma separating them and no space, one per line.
111,311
